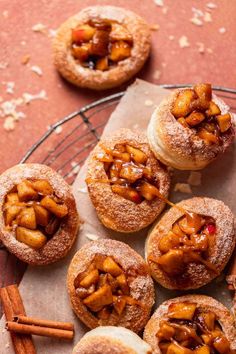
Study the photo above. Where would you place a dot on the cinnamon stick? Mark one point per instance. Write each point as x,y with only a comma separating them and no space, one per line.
39,331
13,305
231,277
44,323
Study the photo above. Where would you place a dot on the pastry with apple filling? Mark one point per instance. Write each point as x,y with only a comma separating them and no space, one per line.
191,324
191,244
109,285
101,47
190,128
39,220
110,339
126,182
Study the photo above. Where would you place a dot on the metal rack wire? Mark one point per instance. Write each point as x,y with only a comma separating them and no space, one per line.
66,145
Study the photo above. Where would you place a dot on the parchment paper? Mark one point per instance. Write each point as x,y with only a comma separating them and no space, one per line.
44,288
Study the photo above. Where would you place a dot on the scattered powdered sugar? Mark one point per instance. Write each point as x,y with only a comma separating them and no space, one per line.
83,190
183,42
52,33
171,37
9,124
148,103
39,27
194,178
58,129
10,87
222,30
183,188
28,97
211,5
37,70
159,2
92,237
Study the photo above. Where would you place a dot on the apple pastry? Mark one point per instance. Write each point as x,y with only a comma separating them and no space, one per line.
126,182
191,244
191,128
101,47
39,220
109,285
196,324
109,339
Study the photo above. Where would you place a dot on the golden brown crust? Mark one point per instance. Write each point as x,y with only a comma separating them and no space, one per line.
178,146
114,211
205,302
60,244
96,79
196,274
141,287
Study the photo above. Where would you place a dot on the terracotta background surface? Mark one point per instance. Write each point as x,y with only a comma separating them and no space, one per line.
214,62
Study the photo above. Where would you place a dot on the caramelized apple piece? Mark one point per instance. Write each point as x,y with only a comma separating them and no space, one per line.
119,304
101,297
213,109
104,157
120,50
177,349
26,192
191,223
137,155
122,282
60,210
82,52
182,104
166,332
182,310
207,339
104,313
221,344
110,266
168,242
120,33
204,93
195,118
127,193
224,122
52,226
183,122
200,242
208,137
42,215
42,186
209,320
27,218
202,350
172,262
177,230
131,172
164,347
12,198
100,43
82,34
11,213
102,64
91,278
33,238
148,191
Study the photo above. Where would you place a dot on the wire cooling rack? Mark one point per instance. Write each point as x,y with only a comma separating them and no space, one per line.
66,145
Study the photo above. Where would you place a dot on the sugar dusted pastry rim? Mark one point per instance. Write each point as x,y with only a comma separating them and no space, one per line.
96,79
220,254
225,318
60,244
174,145
141,288
114,211
108,338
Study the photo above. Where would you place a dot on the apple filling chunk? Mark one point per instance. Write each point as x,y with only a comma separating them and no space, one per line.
33,211
187,328
194,109
129,174
101,44
104,288
188,241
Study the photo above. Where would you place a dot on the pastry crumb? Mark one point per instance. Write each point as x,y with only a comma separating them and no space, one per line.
211,5
157,74
207,17
148,103
3,65
195,178
154,27
28,97
37,70
222,30
183,42
159,2
171,37
10,87
9,124
39,27
201,47
92,237
196,21
25,59
183,188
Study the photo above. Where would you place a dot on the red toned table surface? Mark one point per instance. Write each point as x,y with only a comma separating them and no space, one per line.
195,42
